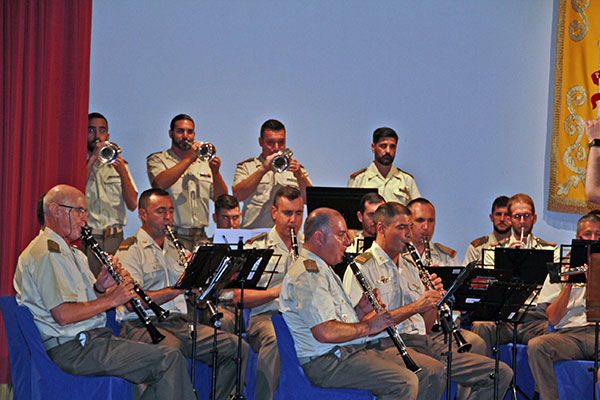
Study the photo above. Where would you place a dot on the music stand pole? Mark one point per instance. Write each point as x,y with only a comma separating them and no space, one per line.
239,319
596,358
194,336
497,360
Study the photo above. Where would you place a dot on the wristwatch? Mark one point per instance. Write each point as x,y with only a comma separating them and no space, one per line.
594,143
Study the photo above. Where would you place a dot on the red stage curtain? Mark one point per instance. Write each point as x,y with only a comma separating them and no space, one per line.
44,69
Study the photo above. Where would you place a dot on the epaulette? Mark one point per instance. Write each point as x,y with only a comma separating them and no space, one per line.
260,236
53,247
357,173
311,265
150,155
363,257
445,249
545,243
407,173
504,243
127,243
245,161
480,241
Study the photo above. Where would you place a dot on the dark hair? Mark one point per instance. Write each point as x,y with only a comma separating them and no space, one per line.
500,201
145,196
39,210
384,132
420,200
179,117
271,125
389,210
520,198
371,197
97,115
592,216
289,192
227,202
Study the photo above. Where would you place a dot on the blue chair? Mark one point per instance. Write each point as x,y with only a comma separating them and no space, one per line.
293,383
575,379
36,376
525,379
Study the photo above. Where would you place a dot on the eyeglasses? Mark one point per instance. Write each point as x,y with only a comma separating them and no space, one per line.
78,210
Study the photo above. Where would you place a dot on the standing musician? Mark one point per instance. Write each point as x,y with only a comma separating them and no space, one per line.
574,336
393,183
423,228
287,212
368,204
500,218
523,218
109,190
411,306
255,182
330,334
152,260
190,181
54,281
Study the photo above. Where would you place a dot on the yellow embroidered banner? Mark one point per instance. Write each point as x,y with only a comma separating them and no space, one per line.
575,100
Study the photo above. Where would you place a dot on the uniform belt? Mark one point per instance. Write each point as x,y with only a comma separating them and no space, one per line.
304,360
189,231
56,341
109,231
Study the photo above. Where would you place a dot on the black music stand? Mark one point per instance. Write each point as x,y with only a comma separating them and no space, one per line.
342,199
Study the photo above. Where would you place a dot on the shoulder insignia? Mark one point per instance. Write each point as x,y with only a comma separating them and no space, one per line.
407,173
127,243
445,249
260,236
150,155
246,160
545,243
311,266
504,243
480,241
363,257
357,173
53,247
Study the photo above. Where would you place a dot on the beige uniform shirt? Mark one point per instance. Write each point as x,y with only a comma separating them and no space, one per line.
532,242
397,186
50,273
256,211
152,268
104,196
442,256
477,246
575,315
190,193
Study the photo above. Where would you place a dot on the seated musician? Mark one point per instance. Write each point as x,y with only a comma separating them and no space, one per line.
403,292
574,336
153,262
54,281
368,204
330,334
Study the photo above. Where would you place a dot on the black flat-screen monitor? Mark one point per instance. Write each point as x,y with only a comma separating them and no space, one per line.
345,200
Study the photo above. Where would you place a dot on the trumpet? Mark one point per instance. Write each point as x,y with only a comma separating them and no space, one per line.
447,323
282,160
214,315
207,152
109,153
295,248
391,331
136,304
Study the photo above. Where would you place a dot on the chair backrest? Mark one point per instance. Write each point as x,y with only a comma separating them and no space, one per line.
291,371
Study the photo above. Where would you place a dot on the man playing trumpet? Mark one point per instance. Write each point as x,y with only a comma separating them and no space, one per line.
109,190
190,181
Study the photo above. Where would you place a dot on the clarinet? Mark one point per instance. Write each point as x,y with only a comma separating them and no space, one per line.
136,303
427,252
391,331
214,315
294,240
447,322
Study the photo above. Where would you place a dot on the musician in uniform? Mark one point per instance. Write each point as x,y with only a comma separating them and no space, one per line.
393,183
255,182
190,181
523,218
287,212
329,333
54,281
227,213
152,261
423,228
368,204
109,191
402,291
500,218
574,336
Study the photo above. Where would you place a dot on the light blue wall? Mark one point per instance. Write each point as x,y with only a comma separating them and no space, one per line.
466,85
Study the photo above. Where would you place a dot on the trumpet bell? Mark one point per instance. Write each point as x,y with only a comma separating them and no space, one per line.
282,160
109,153
207,152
